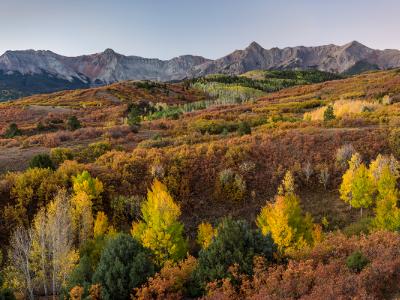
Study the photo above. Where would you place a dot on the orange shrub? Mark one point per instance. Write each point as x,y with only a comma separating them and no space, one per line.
95,292
170,283
76,293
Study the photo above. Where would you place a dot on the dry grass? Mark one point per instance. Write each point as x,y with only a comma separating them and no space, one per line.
326,203
17,158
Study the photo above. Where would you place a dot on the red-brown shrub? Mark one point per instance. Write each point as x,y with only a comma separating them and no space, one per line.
321,273
170,283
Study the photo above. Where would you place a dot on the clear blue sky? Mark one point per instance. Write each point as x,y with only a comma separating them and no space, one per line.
211,28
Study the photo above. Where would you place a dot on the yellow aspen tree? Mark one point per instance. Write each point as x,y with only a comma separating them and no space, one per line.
87,197
362,189
160,230
205,234
387,184
288,185
384,172
284,219
387,214
274,220
82,217
348,177
377,166
100,224
93,187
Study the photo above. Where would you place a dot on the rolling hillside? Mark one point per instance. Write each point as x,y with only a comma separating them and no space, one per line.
223,155
187,121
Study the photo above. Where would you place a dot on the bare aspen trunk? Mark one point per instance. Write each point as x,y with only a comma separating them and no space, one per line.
21,244
44,272
54,275
43,245
61,239
28,280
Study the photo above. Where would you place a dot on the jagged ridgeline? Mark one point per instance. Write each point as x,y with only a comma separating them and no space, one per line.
29,72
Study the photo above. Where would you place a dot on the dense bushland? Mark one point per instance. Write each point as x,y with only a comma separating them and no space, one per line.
178,195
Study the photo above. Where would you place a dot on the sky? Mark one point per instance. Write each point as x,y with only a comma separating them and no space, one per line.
210,28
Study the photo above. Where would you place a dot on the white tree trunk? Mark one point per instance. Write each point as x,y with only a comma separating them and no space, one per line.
60,239
40,235
21,244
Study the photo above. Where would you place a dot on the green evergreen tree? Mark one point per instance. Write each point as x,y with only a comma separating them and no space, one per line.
73,123
244,128
124,265
12,131
134,117
234,243
329,113
356,261
90,254
42,160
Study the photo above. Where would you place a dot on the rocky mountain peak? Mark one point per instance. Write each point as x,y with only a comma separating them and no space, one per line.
109,51
255,46
356,46
109,66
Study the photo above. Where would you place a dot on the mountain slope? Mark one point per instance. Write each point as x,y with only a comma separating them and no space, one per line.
59,72
330,58
105,67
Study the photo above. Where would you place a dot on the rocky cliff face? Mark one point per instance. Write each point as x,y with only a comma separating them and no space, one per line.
109,66
105,67
330,58
31,62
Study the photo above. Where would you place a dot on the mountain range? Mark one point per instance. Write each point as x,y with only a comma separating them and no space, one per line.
29,71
